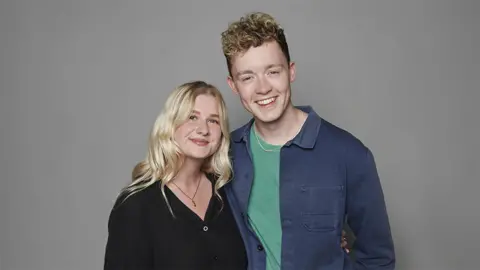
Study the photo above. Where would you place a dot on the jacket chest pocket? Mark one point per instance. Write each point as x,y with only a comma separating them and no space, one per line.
321,207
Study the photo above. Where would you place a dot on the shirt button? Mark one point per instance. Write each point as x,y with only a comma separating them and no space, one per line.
259,248
205,228
215,258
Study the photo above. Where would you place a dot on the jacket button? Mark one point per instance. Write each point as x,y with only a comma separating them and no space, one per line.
259,247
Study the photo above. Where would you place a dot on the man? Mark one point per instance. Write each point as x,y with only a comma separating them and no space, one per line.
298,178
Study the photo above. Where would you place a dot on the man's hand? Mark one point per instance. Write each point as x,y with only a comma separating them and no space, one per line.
344,242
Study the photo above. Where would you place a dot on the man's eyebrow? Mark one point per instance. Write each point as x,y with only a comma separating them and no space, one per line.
274,65
243,72
248,71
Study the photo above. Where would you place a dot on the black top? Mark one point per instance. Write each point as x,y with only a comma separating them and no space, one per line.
144,235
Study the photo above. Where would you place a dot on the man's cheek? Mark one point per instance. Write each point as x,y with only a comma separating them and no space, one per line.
247,105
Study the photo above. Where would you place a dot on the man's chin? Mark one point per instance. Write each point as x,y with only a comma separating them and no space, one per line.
267,118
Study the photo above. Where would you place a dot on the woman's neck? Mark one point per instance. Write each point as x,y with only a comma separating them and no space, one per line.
190,173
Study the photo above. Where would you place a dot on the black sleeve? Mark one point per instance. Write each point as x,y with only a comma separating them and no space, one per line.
128,246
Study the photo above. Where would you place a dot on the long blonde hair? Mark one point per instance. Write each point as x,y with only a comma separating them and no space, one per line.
164,158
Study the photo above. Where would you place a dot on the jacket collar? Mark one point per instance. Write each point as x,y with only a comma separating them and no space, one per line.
306,138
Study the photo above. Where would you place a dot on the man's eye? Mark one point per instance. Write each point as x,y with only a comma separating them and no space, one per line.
244,79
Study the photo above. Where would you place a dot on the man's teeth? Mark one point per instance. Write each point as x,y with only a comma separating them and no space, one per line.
266,101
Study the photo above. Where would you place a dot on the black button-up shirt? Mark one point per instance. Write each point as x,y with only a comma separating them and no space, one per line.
144,235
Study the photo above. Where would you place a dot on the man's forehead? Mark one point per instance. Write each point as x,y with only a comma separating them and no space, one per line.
257,59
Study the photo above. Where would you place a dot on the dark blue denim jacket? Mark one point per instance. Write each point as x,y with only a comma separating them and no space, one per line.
327,177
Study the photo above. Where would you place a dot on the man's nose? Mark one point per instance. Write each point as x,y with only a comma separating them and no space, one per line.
264,86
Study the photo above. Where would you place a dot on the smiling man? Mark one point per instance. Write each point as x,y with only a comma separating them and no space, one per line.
298,178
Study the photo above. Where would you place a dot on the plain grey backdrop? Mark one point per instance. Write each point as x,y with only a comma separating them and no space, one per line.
82,82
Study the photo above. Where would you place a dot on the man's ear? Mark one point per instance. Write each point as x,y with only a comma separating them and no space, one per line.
231,83
292,71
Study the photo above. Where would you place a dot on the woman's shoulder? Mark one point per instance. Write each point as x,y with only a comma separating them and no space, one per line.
130,216
214,179
135,202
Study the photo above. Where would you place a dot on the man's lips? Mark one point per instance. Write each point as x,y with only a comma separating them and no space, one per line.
267,101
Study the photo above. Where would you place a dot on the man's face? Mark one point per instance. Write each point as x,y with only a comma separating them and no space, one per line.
261,77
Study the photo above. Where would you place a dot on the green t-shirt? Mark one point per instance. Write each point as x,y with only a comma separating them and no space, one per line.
264,204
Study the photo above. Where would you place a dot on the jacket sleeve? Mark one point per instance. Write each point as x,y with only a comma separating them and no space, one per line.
127,245
367,214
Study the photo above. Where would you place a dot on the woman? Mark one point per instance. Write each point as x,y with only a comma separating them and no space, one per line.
174,215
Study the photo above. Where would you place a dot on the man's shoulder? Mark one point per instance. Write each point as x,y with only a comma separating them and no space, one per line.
238,133
341,137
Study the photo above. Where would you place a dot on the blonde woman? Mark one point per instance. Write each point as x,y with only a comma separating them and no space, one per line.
175,215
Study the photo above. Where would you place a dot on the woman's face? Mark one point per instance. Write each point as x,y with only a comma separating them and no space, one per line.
199,137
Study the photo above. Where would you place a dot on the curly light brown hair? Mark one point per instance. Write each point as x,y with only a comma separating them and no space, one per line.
252,30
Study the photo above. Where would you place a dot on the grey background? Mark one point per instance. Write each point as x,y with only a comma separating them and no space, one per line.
82,82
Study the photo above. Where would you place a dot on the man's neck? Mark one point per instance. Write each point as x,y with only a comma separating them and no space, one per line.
284,129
